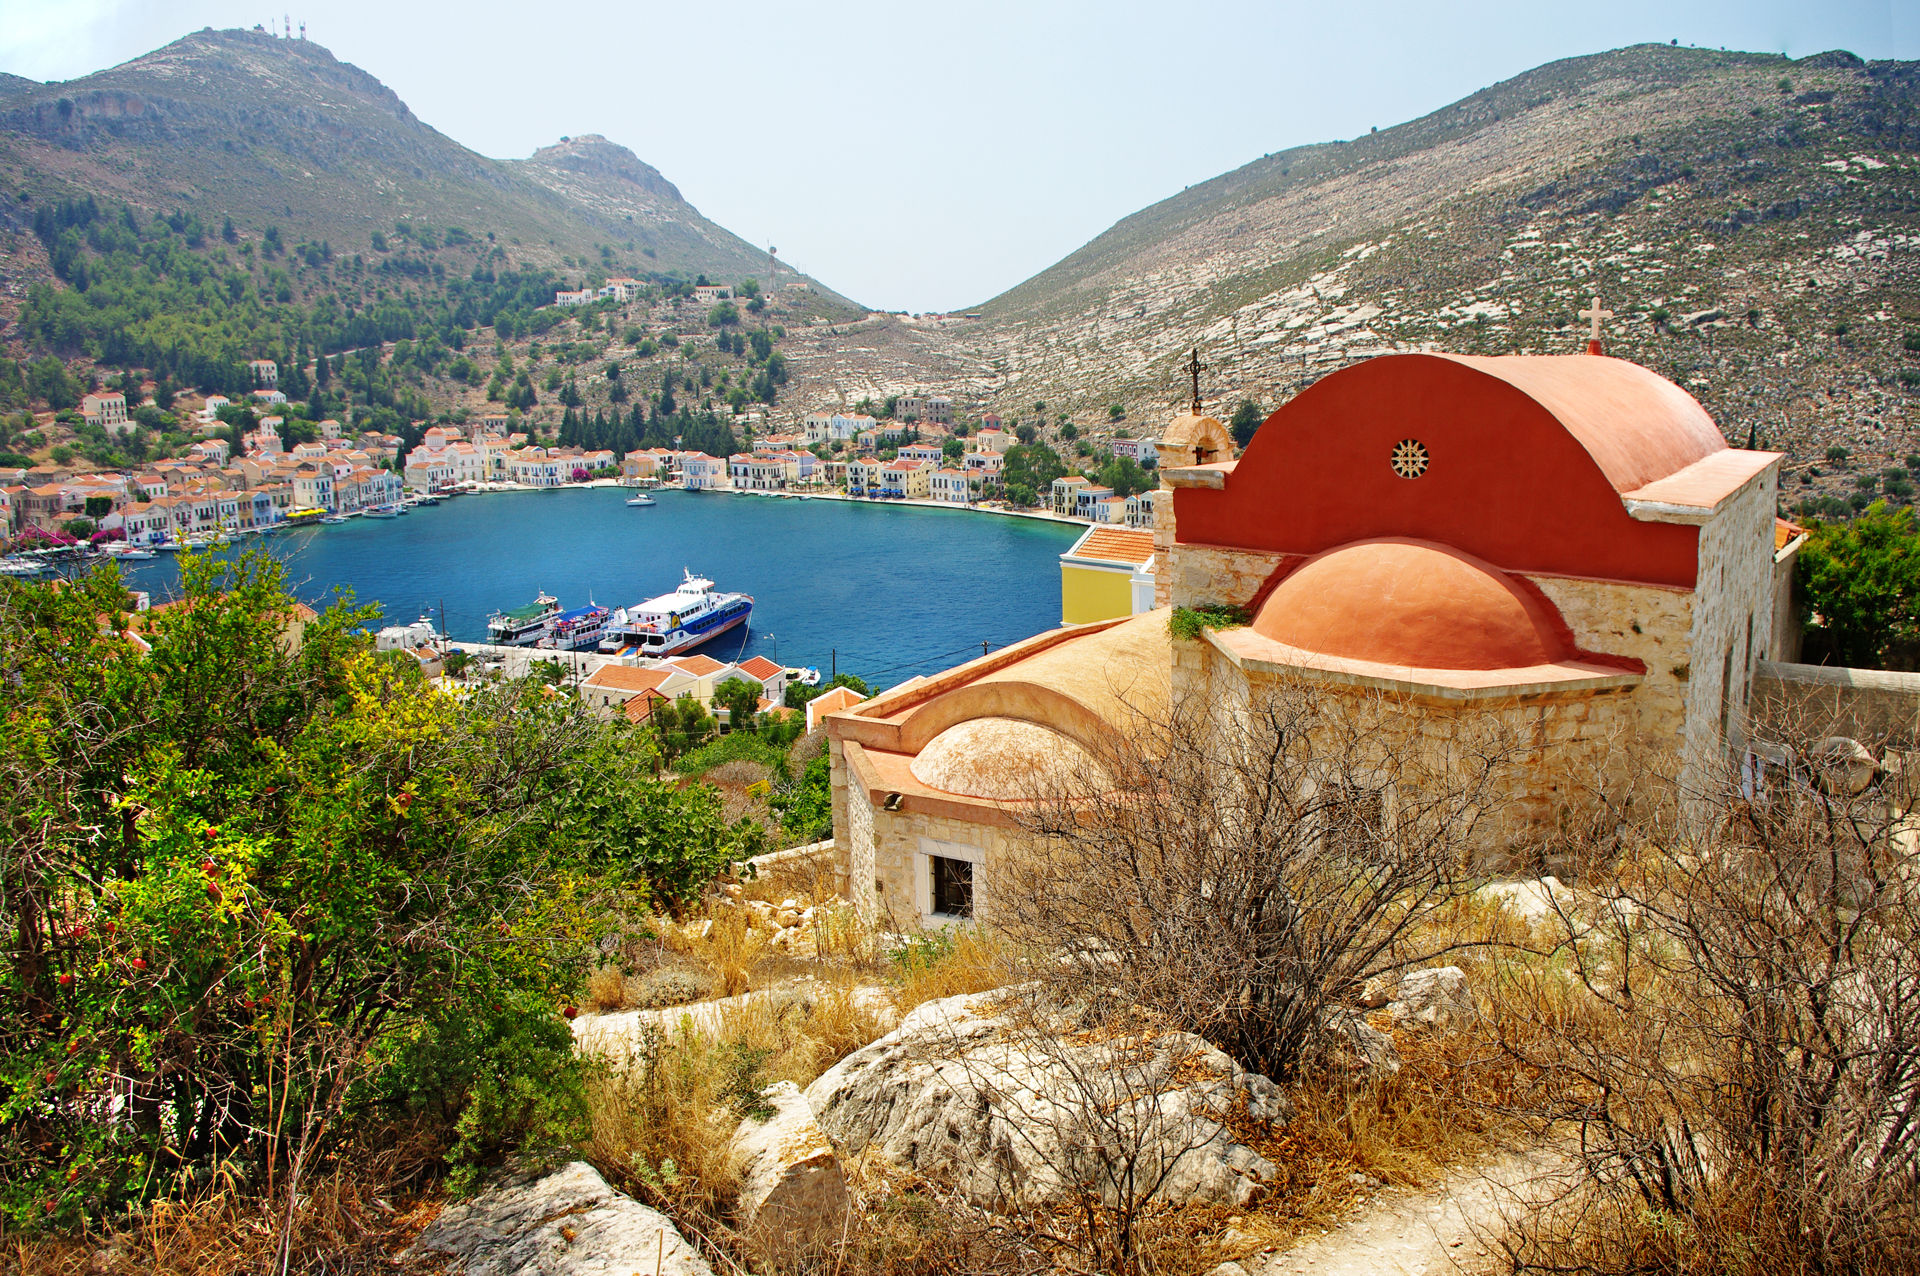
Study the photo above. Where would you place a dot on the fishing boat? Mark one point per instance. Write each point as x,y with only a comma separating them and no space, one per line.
523,626
576,630
641,499
676,622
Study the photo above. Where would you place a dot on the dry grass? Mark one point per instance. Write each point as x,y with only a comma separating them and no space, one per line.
663,1118
351,1221
730,951
607,988
974,960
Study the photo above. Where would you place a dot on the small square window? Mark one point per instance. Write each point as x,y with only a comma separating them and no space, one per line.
952,886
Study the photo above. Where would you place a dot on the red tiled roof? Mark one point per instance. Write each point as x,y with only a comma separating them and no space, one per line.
760,667
698,666
625,678
641,707
1115,545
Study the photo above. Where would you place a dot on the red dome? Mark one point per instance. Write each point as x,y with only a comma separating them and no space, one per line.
1412,603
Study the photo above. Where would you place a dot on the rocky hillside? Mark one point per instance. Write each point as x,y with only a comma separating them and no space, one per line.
1753,222
279,132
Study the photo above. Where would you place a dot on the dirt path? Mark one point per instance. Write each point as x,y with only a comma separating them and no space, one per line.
1419,1233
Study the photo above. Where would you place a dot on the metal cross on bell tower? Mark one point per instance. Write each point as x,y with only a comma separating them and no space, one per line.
1193,369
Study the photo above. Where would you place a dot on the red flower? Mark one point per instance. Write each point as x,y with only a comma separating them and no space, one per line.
65,980
213,831
570,1011
139,963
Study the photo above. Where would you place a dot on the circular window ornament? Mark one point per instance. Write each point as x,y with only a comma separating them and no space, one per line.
1409,459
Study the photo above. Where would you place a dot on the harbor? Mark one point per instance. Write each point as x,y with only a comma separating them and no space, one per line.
824,575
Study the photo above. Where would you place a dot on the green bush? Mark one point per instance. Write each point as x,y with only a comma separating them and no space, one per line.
268,892
1189,622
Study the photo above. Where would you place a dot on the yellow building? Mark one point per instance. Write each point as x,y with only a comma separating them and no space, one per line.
1107,575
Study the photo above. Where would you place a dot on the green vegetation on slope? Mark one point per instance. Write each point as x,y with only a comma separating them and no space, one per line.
269,899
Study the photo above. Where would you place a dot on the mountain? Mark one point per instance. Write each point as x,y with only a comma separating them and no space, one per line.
1753,222
279,132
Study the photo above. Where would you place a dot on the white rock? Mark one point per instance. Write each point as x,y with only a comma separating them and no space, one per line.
793,1191
1435,998
1844,763
1011,1115
568,1221
1358,1044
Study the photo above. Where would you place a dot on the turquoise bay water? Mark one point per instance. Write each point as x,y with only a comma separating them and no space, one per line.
897,590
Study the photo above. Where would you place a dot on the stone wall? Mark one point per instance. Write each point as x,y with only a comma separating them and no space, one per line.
1649,623
1808,702
1209,575
1570,748
1732,624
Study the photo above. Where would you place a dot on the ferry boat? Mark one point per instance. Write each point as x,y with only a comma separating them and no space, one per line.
676,622
523,626
576,630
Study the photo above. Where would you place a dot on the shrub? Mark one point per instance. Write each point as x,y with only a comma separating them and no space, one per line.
669,986
1188,622
273,894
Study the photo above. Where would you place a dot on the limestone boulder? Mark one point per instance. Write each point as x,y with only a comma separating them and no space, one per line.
1435,998
568,1221
1018,1103
793,1192
1844,765
1349,1041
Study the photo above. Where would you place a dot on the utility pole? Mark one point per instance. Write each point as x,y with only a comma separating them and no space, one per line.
833,663
983,647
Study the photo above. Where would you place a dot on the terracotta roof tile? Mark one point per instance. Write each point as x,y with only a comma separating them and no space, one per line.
626,678
760,667
698,666
1115,545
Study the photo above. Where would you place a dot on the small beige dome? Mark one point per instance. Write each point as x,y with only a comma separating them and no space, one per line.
1195,440
1005,759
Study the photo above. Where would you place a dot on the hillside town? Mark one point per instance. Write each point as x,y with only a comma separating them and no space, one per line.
216,489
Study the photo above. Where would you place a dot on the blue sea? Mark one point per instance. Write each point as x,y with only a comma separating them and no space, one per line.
883,591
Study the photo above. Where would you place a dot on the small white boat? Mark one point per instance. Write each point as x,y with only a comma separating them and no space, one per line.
127,551
381,511
334,520
642,499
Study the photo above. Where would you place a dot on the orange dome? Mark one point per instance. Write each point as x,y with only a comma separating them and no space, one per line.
1412,603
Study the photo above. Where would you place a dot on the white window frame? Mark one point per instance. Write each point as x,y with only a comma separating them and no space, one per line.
923,858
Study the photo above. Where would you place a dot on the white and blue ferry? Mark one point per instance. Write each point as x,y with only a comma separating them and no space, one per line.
676,622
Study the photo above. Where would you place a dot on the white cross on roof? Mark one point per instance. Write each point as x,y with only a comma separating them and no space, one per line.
1596,314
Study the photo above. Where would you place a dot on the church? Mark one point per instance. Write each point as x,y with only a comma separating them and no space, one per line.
1564,544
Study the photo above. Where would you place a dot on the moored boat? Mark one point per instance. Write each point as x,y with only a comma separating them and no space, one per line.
676,622
576,630
523,626
641,499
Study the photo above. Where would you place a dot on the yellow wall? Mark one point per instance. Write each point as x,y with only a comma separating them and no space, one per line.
1089,594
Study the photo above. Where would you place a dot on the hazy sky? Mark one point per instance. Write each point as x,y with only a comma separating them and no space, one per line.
926,156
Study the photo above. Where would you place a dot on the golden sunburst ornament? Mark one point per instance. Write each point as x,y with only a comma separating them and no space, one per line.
1409,458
